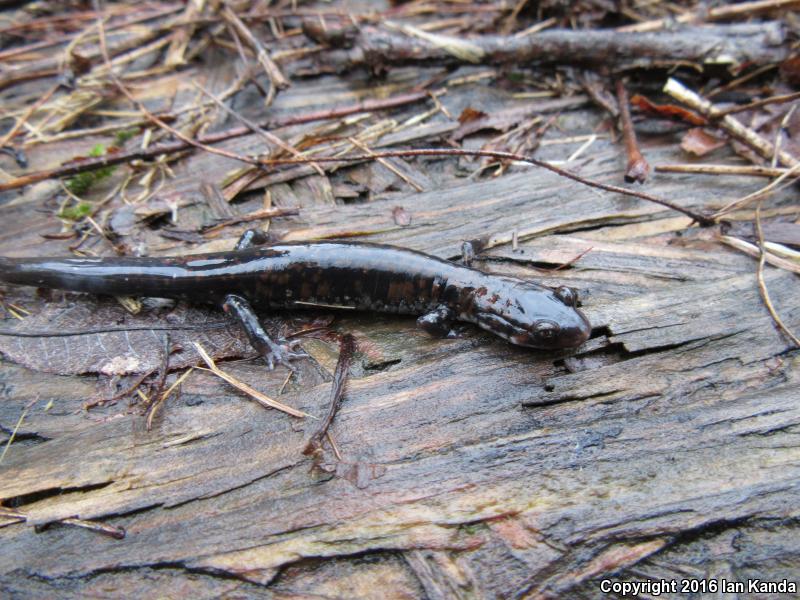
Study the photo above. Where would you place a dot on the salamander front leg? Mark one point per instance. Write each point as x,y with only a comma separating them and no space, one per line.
252,237
260,340
471,248
437,322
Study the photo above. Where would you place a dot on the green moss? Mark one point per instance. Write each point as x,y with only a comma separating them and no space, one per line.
76,212
83,182
124,135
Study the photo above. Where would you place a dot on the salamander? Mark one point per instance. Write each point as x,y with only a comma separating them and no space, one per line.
355,275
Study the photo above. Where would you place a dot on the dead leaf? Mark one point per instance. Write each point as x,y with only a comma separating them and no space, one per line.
667,110
699,142
118,352
470,114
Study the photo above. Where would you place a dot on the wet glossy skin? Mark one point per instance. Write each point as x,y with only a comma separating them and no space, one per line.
339,274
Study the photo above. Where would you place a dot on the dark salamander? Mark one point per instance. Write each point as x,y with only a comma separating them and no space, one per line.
338,274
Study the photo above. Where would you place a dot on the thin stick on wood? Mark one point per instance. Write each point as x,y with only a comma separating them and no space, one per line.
752,250
262,399
268,137
277,81
157,395
267,213
127,391
154,119
387,164
700,218
594,88
7,513
156,406
770,188
758,104
137,17
779,133
637,168
69,20
111,531
347,348
332,442
709,169
285,382
89,164
735,128
741,9
511,20
762,286
16,428
27,115
536,28
572,260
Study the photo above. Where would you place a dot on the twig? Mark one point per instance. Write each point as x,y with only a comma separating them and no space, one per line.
758,103
154,119
741,9
779,133
7,513
736,129
16,428
277,81
111,531
262,399
128,390
593,86
707,169
762,286
771,187
332,442
752,250
151,412
637,168
285,382
137,18
347,348
267,213
696,216
536,28
83,165
459,48
511,20
571,261
27,115
364,148
157,393
270,138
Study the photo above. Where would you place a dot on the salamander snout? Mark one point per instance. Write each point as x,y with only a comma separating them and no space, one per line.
572,330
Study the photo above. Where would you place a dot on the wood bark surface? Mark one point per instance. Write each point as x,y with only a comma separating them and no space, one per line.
665,448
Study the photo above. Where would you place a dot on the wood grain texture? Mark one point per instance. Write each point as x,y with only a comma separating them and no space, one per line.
666,447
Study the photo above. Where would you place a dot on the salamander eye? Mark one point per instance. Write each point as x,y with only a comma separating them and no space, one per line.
546,330
567,295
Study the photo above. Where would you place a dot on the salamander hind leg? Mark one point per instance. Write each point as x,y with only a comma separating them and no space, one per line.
437,322
272,352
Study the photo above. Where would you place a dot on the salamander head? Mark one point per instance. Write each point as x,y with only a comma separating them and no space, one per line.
530,315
